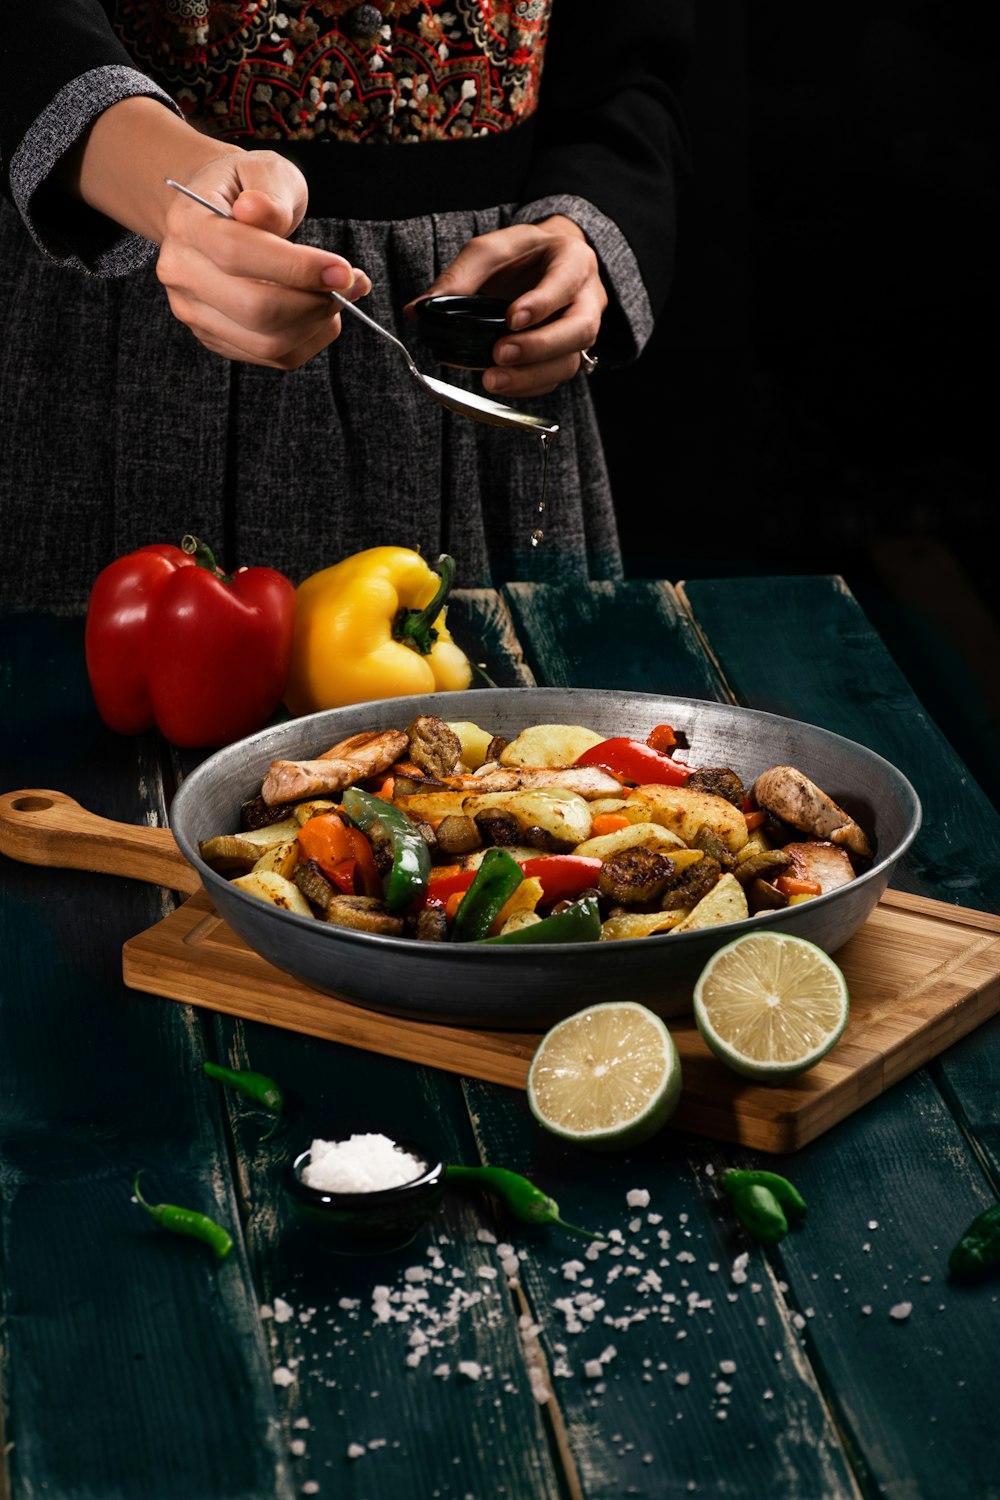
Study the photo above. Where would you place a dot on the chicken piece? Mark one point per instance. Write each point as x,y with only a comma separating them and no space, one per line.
356,759
375,748
823,862
787,794
586,781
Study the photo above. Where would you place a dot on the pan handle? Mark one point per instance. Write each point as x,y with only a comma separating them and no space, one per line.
48,828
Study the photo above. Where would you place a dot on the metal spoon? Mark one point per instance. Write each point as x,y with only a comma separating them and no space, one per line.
466,403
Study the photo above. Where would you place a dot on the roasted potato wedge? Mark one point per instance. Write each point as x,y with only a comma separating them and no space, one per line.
429,806
475,743
282,860
685,811
725,902
636,835
635,924
267,885
549,745
562,814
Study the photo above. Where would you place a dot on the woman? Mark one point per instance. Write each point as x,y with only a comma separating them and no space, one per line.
527,148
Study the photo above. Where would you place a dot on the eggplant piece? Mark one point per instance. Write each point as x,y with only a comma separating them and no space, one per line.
635,876
434,746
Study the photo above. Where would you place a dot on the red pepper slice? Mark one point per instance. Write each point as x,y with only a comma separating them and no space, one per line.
632,760
562,876
662,737
343,854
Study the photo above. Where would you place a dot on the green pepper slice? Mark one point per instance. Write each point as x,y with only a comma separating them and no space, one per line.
786,1192
410,870
497,878
526,1201
579,923
760,1213
979,1247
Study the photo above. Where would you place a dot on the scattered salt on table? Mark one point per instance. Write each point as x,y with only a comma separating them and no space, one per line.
360,1164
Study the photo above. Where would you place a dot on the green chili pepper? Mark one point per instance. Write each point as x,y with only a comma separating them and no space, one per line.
579,923
411,859
256,1086
525,1201
760,1213
496,880
187,1221
979,1247
786,1193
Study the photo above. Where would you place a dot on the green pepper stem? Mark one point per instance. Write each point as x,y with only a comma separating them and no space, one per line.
415,627
203,556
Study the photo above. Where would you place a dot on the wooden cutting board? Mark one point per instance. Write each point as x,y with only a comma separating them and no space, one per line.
921,974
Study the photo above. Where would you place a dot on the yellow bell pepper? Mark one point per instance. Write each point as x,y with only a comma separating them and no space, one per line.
373,626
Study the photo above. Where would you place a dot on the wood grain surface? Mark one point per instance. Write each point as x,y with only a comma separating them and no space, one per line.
920,975
133,1367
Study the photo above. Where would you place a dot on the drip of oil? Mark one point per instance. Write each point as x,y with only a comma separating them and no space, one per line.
538,535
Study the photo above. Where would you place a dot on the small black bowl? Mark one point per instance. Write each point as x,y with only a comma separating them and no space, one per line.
367,1223
461,331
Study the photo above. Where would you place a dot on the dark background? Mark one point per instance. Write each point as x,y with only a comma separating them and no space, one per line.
820,395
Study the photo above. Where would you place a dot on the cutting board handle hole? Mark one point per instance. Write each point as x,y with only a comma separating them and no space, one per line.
32,804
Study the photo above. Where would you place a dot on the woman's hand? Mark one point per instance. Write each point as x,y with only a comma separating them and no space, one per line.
551,274
244,290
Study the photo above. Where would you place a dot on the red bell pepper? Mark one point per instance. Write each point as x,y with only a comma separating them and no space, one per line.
172,642
632,760
662,737
342,853
563,877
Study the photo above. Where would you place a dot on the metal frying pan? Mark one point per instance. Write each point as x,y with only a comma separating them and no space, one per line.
528,987
465,984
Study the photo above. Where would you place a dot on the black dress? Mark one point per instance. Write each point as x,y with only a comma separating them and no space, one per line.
120,429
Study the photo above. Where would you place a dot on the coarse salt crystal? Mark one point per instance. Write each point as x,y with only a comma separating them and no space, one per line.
282,1376
901,1310
682,1378
637,1197
356,1450
282,1311
361,1164
470,1368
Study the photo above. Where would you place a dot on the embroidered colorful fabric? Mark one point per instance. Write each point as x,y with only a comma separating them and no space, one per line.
396,71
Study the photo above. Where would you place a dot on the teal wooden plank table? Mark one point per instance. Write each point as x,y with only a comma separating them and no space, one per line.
487,1359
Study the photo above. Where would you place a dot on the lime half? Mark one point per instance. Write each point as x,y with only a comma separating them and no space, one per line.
770,1006
607,1077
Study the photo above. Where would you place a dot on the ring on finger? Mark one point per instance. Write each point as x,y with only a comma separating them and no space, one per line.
588,361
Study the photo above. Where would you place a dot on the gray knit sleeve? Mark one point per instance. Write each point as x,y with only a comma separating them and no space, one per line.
66,231
629,306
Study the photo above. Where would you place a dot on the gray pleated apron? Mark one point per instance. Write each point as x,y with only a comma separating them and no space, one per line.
119,429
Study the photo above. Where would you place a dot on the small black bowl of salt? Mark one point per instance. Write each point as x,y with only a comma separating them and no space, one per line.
365,1193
